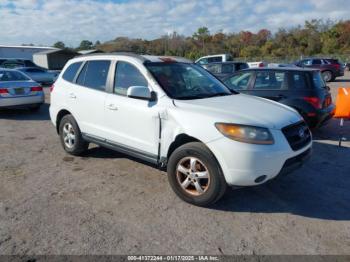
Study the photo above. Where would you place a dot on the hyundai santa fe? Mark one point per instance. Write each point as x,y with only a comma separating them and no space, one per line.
174,114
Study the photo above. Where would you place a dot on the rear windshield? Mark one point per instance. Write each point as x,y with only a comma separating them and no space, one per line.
6,76
318,80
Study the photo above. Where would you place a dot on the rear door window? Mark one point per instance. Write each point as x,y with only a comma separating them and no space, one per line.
71,71
270,80
94,74
239,81
316,62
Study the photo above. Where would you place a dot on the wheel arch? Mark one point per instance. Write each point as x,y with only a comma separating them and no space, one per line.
59,117
180,140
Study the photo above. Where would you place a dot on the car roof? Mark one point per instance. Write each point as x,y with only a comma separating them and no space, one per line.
227,62
140,58
280,69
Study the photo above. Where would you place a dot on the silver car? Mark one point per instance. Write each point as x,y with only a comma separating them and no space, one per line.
39,75
17,89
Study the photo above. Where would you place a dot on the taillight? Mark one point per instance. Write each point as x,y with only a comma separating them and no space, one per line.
314,101
52,87
261,64
4,91
337,66
36,89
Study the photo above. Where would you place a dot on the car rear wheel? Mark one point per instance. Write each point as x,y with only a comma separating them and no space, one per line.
327,76
70,135
195,175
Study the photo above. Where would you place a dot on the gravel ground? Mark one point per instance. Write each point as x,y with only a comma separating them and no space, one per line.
107,203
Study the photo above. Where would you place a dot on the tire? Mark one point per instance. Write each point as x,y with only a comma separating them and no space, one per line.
70,136
34,108
212,188
327,76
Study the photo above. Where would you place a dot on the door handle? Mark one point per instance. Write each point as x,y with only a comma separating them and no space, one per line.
112,107
281,96
72,95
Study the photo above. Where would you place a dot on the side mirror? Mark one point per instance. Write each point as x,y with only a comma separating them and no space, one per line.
141,92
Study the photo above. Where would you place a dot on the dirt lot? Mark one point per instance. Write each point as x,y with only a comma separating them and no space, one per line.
106,203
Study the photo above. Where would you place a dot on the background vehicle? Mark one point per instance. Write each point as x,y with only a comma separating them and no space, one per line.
257,64
224,69
302,89
39,75
330,68
14,63
175,114
214,58
17,89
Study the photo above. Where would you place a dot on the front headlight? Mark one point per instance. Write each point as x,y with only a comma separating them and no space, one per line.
246,134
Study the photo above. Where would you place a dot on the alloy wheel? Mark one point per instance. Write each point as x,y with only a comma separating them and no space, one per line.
193,176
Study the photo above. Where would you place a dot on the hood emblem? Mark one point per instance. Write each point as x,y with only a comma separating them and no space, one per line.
301,133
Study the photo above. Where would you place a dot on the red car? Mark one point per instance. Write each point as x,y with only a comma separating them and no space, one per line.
330,68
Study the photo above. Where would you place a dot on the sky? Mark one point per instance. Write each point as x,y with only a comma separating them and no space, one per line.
44,22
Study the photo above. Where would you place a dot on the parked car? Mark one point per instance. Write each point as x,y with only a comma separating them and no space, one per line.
40,75
14,63
175,114
224,69
214,59
330,68
257,64
17,89
302,89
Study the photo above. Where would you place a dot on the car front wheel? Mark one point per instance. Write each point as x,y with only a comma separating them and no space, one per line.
70,135
195,175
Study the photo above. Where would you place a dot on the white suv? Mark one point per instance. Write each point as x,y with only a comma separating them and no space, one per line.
173,113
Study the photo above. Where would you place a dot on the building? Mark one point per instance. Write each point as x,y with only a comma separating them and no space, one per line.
21,52
53,59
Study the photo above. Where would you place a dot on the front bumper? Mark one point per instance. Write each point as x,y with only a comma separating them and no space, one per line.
242,164
22,100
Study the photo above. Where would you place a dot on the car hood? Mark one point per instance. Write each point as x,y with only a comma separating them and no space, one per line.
243,109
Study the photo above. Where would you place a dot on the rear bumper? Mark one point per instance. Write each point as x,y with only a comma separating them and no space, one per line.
320,117
23,100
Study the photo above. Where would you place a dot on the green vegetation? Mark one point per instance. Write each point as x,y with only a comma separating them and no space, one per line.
315,38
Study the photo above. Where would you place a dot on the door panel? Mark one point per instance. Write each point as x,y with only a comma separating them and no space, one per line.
131,122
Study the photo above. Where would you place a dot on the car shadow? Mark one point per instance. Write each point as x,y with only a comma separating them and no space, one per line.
320,189
25,114
105,153
341,81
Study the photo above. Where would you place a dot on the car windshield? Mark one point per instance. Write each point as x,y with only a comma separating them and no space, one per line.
186,81
6,76
318,80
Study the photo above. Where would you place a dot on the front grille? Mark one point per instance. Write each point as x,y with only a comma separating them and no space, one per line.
298,135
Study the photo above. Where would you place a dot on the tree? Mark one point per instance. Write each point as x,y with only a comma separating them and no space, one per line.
86,45
202,35
59,45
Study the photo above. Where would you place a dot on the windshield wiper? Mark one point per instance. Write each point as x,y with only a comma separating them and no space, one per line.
218,94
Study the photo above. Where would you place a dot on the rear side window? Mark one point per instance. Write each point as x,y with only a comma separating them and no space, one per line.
127,75
318,80
71,71
214,59
298,80
94,74
239,81
267,80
